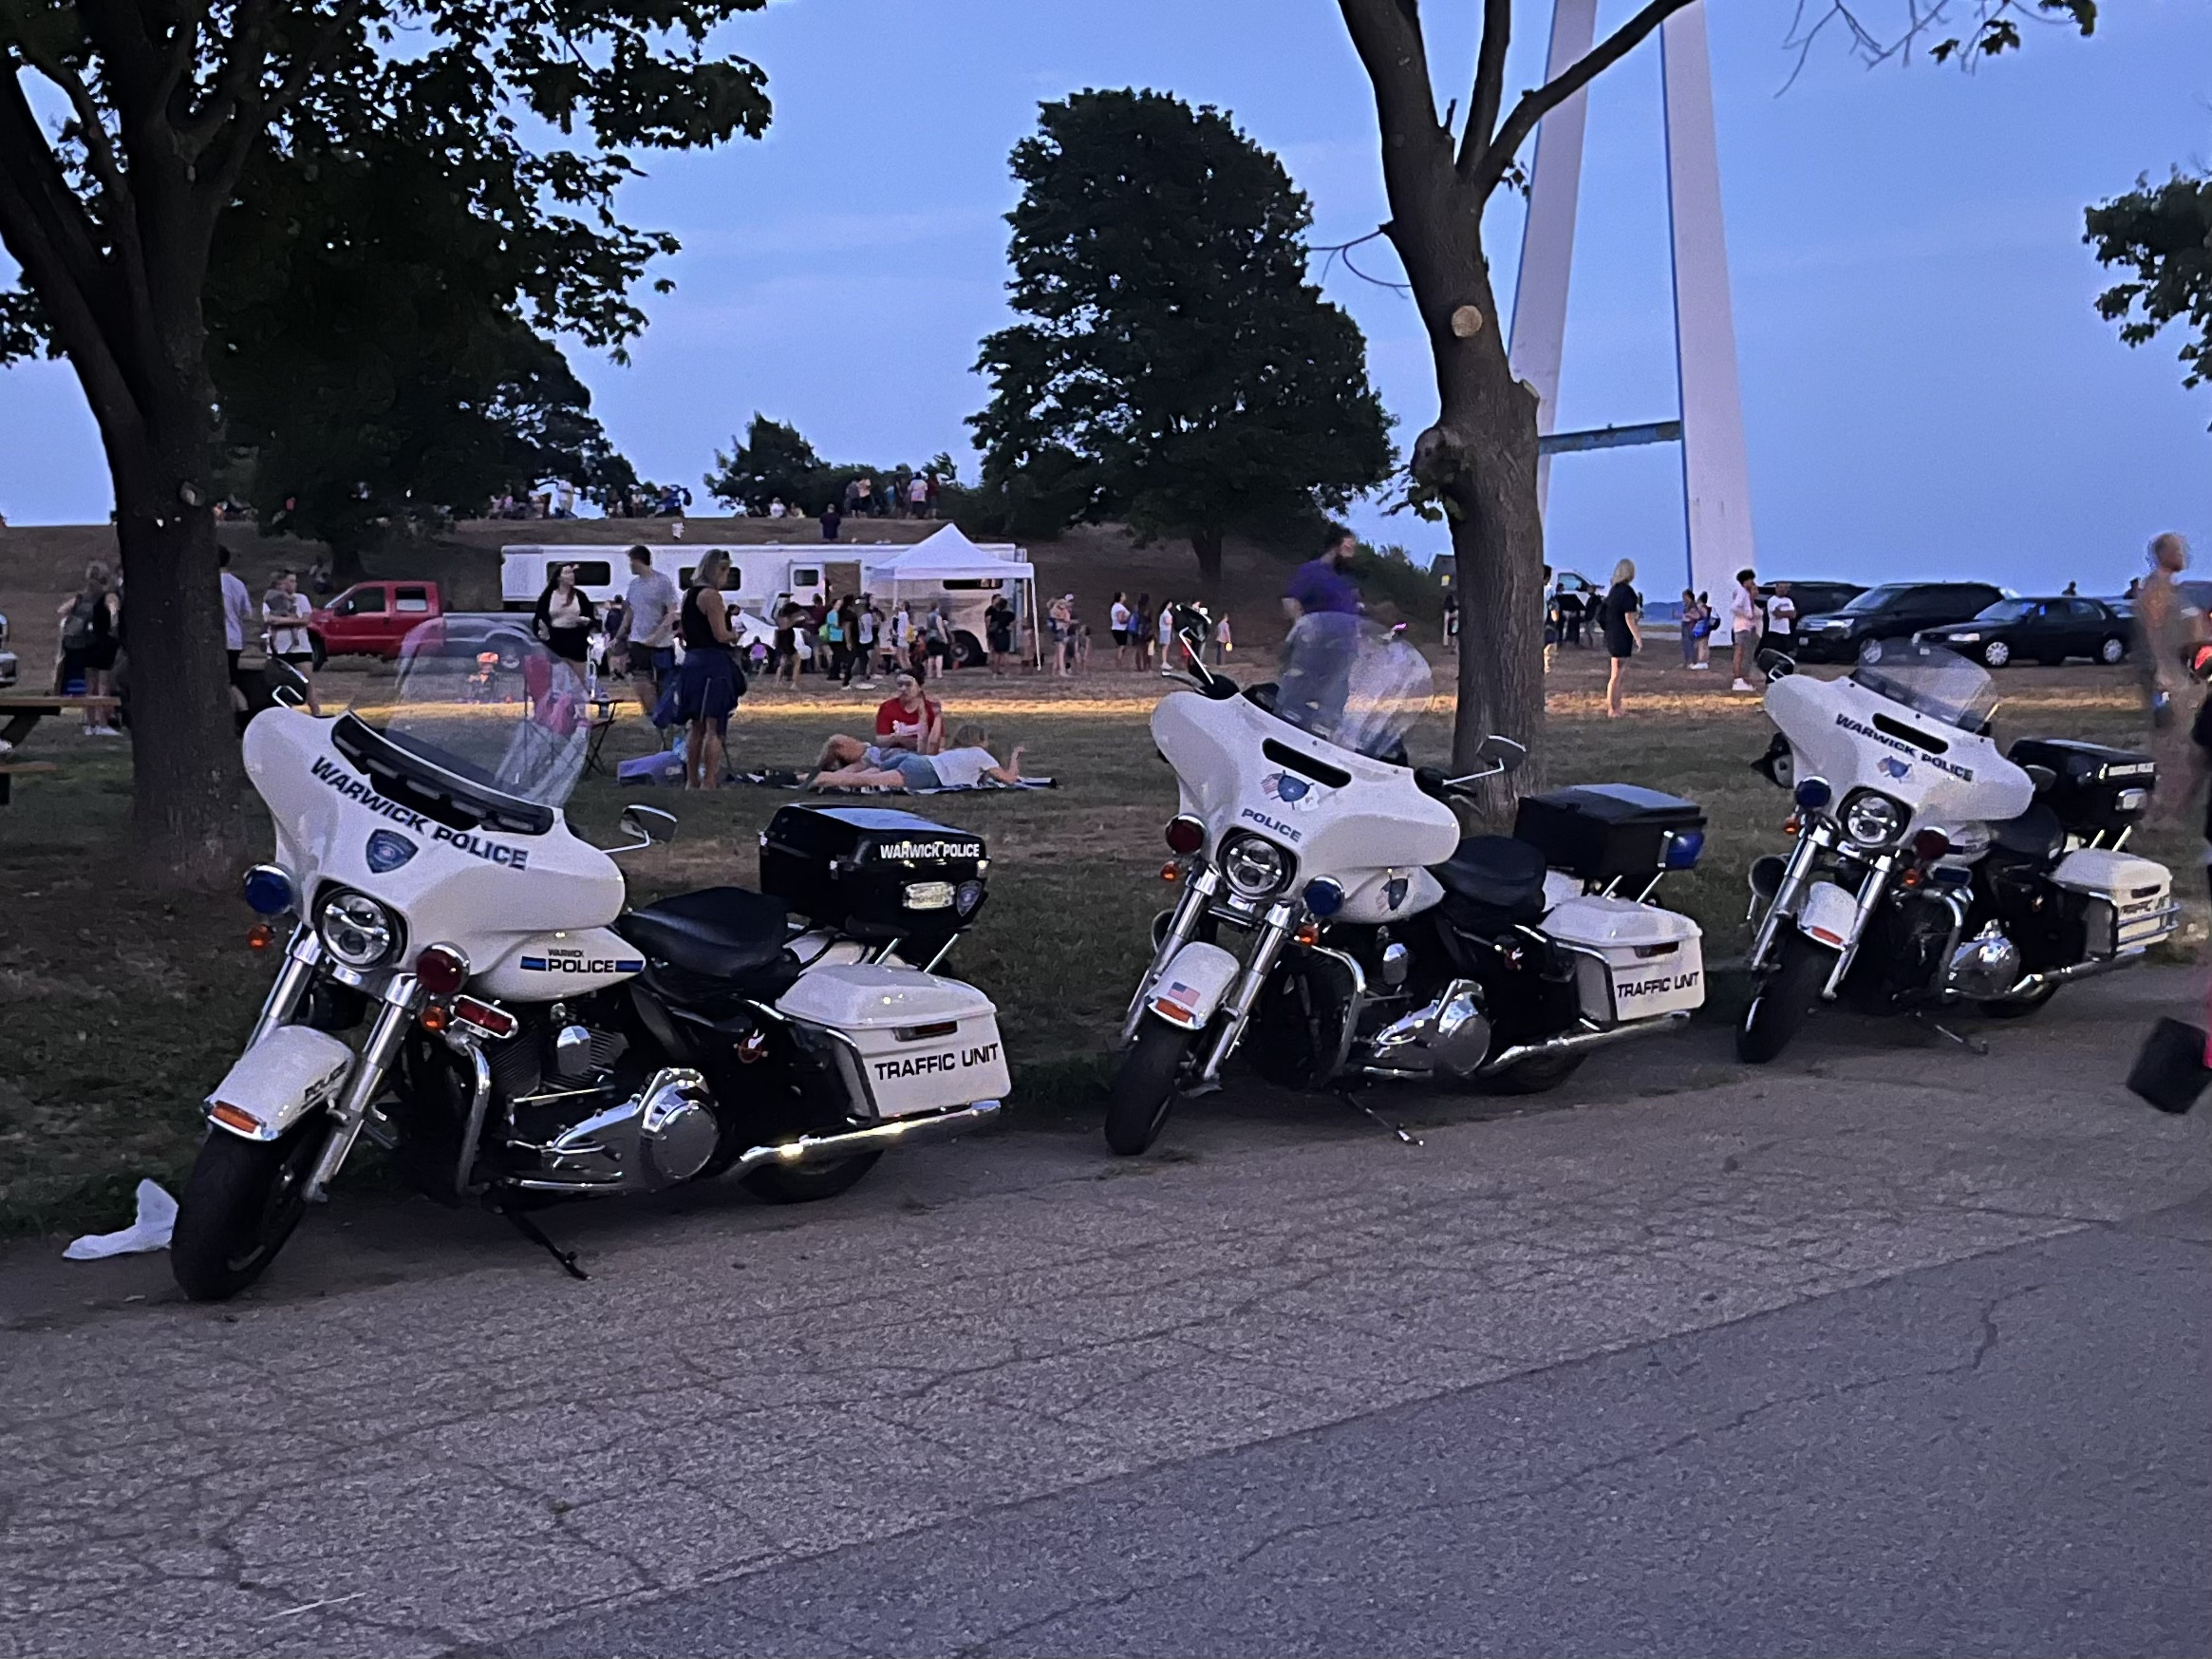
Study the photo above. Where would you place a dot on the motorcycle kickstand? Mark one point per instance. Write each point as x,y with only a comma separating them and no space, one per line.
1972,1045
1405,1136
535,1233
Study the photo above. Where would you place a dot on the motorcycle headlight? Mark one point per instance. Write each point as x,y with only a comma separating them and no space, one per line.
1872,820
357,930
1255,867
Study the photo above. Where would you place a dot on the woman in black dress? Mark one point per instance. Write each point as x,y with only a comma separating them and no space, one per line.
707,682
1623,611
565,617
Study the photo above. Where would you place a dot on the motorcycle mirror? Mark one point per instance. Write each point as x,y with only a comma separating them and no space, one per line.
1775,665
285,684
2041,777
646,825
1502,750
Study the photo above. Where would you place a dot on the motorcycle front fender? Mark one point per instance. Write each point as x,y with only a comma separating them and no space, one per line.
292,1071
1190,989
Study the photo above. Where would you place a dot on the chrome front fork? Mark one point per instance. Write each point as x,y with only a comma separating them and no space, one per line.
395,1012
300,959
1872,890
1272,935
1784,904
1198,893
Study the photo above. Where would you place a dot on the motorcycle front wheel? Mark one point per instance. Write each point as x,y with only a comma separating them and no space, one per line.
1144,1089
1784,999
240,1204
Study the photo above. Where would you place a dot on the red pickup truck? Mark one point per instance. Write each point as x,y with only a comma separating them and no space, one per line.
370,619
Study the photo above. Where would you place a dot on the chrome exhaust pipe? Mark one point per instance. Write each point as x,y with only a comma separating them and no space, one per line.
892,1132
2033,984
1575,1042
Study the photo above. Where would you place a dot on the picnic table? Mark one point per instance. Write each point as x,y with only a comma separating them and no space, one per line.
20,711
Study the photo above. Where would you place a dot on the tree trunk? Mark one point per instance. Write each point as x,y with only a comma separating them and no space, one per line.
1207,544
184,751
1478,462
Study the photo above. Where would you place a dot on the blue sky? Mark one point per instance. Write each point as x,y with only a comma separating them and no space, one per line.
1927,389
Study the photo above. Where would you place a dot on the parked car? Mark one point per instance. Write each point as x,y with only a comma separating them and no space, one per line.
370,619
8,666
1892,611
1815,599
2044,630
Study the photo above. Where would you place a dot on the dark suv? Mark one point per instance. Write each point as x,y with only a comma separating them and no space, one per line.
1893,611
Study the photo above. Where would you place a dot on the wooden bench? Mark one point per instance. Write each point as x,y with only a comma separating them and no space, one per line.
9,769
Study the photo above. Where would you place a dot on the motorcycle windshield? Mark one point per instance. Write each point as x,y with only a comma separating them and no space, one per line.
480,699
1929,680
1352,682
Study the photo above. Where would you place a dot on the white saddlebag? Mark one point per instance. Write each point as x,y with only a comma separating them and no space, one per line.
925,1043
1631,960
2130,900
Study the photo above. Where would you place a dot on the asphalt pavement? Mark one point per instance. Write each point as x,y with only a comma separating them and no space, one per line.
1889,1348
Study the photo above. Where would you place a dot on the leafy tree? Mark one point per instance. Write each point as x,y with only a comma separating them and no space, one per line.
1476,464
2163,233
117,217
776,463
371,351
773,463
1179,370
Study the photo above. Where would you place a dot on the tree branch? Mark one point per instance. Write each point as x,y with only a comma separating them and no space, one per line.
1490,82
1534,105
1387,36
98,145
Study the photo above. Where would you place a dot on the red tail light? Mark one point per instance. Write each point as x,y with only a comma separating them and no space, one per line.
489,1018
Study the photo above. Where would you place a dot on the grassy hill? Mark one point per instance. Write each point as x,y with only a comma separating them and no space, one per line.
41,565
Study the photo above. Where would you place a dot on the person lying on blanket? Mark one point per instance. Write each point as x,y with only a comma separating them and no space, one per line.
963,765
905,721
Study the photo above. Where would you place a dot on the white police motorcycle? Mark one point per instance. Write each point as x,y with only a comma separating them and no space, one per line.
1930,869
1378,941
464,985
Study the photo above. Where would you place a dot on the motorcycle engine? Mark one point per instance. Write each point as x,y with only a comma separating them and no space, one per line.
1986,966
587,1118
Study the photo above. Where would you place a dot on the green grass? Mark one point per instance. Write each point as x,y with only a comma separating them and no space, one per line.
120,1008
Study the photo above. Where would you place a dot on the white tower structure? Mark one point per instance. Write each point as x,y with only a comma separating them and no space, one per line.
1716,470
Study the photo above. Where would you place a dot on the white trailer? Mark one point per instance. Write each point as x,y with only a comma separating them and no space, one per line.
944,568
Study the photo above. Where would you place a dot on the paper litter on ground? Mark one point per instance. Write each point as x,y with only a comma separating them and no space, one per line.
156,1220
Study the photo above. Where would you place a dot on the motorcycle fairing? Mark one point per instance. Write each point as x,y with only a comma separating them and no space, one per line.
482,890
1381,821
1856,739
569,963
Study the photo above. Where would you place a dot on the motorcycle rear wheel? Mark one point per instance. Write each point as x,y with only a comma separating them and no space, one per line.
1785,999
239,1205
805,1183
1532,1077
1144,1089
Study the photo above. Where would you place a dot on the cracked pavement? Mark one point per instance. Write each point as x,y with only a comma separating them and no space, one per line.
1705,1351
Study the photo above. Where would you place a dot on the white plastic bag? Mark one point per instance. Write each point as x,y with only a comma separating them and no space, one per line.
157,1220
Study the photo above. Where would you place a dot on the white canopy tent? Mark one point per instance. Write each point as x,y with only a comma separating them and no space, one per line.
948,556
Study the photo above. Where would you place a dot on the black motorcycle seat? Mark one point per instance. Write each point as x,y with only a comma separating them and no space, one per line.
1498,873
722,932
2035,833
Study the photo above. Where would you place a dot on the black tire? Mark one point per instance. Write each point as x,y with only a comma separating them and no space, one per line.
1784,999
240,1204
1533,1077
2113,650
967,651
807,1183
1144,1089
1996,653
2019,1010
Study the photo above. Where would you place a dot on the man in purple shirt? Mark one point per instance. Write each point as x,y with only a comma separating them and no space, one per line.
1322,585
